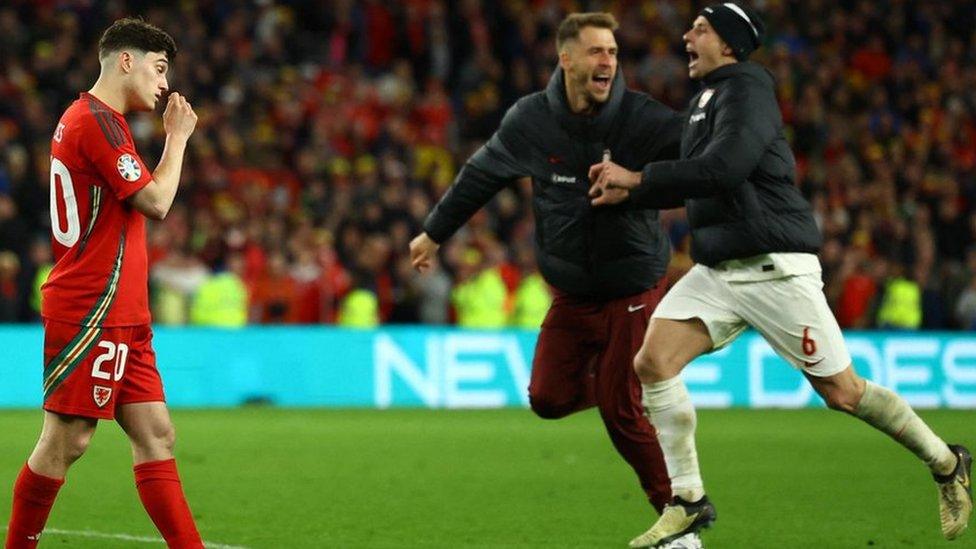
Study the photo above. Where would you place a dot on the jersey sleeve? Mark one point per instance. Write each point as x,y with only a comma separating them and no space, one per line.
113,155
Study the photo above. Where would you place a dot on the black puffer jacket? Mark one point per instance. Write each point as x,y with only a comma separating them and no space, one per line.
736,172
582,250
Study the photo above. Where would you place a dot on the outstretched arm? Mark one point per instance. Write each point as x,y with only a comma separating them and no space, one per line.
489,169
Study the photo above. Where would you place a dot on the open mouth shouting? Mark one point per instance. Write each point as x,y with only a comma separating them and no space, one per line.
602,81
692,58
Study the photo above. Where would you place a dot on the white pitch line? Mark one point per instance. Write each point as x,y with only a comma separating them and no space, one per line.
126,537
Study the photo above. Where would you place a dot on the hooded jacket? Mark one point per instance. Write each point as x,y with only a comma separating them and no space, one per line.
582,251
736,172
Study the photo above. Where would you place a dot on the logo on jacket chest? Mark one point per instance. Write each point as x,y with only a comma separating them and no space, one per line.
705,96
563,179
702,101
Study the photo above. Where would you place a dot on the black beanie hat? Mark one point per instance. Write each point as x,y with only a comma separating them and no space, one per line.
740,27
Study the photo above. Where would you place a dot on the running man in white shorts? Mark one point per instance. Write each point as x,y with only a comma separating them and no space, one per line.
778,294
755,242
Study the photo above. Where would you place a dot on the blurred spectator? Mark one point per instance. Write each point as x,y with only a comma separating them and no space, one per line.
959,280
359,309
35,275
10,294
901,304
327,129
175,279
14,234
480,295
432,291
859,289
221,300
274,296
532,297
966,307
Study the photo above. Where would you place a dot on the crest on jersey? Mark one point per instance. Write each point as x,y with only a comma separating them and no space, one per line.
705,96
101,394
128,167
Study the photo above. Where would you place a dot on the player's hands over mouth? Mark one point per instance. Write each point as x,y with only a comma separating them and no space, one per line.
179,120
611,183
422,251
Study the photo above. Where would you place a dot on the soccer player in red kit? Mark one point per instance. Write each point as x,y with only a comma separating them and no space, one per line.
98,356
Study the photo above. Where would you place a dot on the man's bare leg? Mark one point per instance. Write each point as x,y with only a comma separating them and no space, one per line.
63,440
152,436
668,347
887,412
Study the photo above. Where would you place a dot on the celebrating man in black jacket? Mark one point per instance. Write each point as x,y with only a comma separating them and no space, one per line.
605,264
755,240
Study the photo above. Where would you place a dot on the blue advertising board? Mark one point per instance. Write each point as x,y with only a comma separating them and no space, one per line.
451,368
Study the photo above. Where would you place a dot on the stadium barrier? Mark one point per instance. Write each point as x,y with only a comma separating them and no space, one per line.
450,368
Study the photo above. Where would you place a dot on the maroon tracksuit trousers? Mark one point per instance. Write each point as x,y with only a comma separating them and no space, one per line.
585,357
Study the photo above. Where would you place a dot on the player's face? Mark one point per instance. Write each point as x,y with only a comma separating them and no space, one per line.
706,49
148,80
590,63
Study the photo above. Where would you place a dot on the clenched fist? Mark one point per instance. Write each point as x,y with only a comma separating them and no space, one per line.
179,120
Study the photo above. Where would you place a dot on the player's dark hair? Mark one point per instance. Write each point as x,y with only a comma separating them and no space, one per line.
131,32
571,26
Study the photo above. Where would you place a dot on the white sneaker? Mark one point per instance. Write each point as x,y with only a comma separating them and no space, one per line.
687,541
678,519
956,495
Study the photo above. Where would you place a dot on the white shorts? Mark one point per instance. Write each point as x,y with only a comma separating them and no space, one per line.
790,312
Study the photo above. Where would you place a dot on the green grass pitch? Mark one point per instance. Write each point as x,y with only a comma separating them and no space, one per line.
265,477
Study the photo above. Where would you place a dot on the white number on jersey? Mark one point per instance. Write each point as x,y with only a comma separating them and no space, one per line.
61,176
109,354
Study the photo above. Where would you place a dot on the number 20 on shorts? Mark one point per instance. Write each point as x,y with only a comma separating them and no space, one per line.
119,353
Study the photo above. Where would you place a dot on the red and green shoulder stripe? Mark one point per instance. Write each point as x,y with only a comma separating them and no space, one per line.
111,127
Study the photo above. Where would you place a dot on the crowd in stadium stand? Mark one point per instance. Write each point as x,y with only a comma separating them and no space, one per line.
328,129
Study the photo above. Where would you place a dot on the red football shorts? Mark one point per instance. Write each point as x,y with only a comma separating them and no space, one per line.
89,371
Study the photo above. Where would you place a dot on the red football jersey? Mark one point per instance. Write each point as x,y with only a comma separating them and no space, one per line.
100,275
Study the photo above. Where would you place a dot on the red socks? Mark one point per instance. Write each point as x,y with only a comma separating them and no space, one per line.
162,495
33,497
159,489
